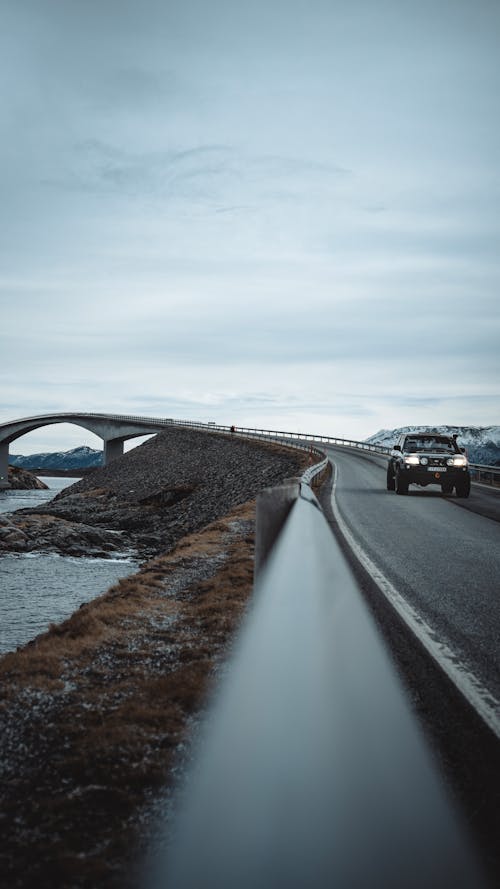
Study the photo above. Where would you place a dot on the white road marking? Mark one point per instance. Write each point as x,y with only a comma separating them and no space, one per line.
467,683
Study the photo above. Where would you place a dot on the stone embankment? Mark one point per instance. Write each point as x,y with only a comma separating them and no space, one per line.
96,714
173,484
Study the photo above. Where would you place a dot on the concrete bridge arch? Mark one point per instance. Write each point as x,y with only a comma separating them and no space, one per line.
113,429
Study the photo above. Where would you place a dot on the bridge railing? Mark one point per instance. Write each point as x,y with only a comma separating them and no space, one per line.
482,473
311,771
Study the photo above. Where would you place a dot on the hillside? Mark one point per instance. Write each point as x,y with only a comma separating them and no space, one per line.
482,443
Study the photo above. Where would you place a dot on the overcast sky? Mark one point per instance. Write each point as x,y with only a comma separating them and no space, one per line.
273,213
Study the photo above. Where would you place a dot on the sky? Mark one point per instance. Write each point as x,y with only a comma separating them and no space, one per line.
276,214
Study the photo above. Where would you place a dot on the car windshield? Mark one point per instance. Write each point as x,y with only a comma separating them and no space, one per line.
430,443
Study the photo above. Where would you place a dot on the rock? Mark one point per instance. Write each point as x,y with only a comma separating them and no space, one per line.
22,480
42,533
12,538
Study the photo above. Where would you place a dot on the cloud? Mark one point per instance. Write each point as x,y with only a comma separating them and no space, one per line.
279,212
222,177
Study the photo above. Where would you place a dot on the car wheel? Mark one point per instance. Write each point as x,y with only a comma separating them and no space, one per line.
401,486
446,488
463,488
390,478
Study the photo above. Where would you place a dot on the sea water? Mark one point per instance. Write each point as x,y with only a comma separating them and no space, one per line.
37,589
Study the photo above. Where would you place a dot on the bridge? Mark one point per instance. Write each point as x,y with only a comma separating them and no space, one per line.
113,429
116,429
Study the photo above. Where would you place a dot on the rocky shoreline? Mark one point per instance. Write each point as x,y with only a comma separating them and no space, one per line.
95,715
171,485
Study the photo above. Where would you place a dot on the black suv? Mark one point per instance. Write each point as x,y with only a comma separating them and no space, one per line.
428,458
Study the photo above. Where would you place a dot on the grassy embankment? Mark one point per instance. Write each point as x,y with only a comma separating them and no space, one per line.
93,712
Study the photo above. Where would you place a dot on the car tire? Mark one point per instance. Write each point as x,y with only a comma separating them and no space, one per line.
400,485
463,488
391,484
446,488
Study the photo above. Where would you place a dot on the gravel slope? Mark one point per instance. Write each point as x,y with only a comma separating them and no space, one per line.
173,484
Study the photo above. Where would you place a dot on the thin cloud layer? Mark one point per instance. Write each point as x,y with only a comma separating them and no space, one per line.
282,215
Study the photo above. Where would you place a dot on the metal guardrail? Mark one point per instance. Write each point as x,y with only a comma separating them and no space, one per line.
311,771
485,475
480,473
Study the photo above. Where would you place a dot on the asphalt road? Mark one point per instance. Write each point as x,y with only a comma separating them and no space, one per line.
440,554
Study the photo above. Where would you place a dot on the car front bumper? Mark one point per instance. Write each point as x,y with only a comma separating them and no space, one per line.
434,475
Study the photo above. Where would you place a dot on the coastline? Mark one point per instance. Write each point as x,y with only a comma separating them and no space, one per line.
96,714
171,485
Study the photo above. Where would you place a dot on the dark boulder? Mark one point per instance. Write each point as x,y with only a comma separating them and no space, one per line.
22,480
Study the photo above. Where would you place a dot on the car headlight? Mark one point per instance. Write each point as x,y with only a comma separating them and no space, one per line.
424,461
457,461
412,461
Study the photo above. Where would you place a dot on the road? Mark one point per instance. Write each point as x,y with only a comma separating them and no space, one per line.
439,558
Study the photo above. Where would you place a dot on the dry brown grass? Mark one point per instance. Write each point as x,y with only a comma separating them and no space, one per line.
92,713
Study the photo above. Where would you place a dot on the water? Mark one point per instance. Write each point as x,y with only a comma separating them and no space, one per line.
12,500
37,589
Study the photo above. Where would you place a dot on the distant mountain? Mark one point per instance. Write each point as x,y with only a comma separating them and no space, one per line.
78,458
482,443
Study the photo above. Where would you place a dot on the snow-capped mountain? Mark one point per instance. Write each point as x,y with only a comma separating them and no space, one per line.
482,443
78,458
